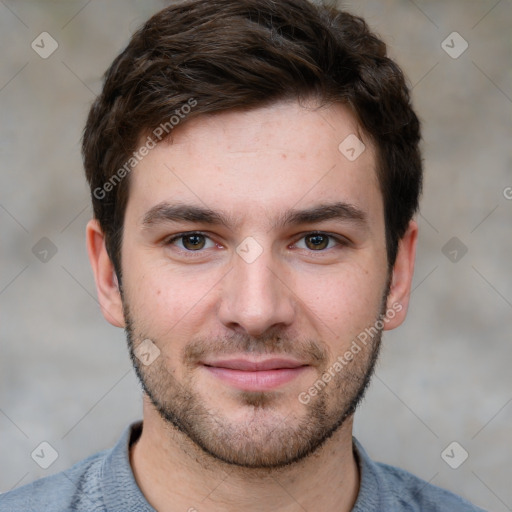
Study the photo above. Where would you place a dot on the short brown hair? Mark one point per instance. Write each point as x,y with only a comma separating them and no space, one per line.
242,54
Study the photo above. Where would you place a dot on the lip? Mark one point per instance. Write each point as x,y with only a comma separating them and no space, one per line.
273,363
260,375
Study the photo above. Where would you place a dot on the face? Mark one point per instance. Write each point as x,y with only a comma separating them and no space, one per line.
253,256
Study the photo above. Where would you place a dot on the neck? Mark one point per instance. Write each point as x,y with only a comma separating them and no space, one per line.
175,475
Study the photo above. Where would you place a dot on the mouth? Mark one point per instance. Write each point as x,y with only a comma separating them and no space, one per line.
251,375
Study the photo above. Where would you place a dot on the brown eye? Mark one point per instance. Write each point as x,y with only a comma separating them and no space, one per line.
317,241
191,242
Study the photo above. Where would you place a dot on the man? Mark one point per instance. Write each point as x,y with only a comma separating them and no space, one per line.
254,171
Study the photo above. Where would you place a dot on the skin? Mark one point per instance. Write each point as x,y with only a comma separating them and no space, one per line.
207,444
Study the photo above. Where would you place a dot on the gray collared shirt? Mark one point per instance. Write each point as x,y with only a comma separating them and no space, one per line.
104,482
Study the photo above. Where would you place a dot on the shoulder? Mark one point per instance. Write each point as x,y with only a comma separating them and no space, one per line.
384,487
103,481
414,493
77,488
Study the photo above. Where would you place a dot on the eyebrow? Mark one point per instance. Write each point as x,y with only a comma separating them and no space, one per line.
339,211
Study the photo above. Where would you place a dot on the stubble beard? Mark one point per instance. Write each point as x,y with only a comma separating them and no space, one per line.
268,437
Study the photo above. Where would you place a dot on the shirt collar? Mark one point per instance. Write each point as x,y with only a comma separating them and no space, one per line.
121,492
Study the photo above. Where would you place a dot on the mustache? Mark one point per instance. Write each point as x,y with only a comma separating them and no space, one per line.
274,342
307,350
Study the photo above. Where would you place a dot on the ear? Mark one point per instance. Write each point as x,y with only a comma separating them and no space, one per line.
105,277
403,269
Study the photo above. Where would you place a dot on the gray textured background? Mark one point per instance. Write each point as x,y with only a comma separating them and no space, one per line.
444,375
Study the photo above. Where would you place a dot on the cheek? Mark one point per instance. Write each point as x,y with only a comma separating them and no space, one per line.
167,304
341,303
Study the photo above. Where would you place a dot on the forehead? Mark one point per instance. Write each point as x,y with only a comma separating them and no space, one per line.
259,164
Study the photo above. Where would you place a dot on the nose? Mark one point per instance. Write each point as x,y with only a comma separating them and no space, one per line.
256,296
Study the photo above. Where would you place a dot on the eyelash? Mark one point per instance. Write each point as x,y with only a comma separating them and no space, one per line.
341,241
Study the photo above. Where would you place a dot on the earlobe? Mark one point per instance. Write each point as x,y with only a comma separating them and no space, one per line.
107,285
403,269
